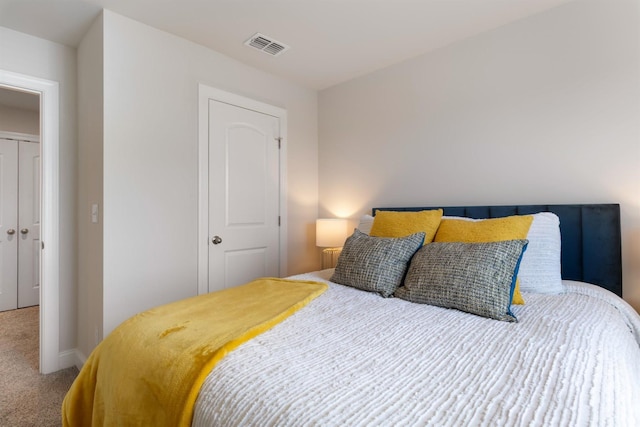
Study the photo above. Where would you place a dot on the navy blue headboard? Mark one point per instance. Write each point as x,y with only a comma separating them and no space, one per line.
591,241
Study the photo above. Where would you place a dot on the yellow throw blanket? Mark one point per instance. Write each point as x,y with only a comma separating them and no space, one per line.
149,370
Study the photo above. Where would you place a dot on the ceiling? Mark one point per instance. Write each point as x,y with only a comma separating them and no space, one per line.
331,40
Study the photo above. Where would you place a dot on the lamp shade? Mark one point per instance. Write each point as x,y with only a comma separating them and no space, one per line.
331,233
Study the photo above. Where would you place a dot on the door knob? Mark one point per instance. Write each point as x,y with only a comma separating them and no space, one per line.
11,232
216,240
24,231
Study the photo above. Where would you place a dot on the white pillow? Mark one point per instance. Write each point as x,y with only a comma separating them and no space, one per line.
540,266
365,224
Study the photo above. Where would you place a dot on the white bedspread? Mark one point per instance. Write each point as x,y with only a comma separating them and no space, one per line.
352,358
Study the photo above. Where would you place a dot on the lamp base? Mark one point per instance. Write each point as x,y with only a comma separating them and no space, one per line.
330,257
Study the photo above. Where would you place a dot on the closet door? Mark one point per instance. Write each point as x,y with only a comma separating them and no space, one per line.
29,224
9,234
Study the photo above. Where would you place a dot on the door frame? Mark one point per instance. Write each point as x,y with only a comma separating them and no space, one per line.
49,212
206,93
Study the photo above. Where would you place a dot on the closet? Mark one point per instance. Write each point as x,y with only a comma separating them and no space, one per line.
19,224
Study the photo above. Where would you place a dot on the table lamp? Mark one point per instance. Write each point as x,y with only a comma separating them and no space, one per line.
331,234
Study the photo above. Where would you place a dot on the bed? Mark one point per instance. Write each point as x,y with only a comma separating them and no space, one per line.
353,357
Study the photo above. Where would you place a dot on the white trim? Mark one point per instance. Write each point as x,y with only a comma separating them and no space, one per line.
68,358
73,357
49,208
16,136
205,93
81,359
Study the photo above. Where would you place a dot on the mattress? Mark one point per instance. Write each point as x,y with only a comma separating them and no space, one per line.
353,358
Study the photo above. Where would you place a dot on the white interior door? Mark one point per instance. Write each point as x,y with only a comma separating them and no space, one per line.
8,224
29,224
244,191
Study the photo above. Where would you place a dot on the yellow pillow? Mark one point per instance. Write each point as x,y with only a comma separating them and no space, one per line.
401,224
487,230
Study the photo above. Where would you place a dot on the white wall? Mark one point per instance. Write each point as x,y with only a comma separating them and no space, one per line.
544,110
90,169
150,162
28,55
18,120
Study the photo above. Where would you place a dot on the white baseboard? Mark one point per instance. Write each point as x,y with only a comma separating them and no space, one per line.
69,358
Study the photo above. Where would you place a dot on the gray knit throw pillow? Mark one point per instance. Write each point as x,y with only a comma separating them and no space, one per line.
376,264
478,278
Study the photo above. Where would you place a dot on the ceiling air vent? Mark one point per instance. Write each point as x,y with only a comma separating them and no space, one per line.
266,44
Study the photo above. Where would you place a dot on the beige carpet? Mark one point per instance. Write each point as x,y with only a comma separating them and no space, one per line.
27,398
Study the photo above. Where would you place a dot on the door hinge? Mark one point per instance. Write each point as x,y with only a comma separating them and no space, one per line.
278,221
279,139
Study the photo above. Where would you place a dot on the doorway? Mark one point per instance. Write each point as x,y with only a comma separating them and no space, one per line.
48,93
